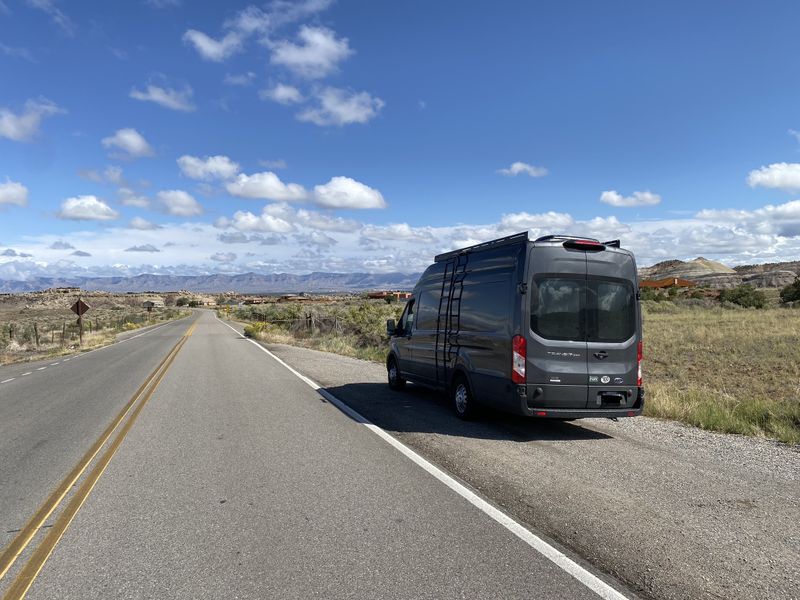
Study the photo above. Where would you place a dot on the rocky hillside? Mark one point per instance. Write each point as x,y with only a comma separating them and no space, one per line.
717,275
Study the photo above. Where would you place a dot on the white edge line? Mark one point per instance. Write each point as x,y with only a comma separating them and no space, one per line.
7,380
28,373
594,583
41,368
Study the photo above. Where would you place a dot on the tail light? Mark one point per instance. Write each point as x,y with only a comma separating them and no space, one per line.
639,355
589,245
519,353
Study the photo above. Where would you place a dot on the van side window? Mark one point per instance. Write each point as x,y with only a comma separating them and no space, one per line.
407,318
557,308
426,312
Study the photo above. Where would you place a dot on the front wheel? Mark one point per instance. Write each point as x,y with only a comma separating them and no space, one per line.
396,382
463,402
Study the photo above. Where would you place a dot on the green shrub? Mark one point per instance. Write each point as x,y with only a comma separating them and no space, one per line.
744,295
791,293
182,301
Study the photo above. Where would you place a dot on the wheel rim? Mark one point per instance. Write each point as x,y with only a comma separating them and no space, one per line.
393,372
461,398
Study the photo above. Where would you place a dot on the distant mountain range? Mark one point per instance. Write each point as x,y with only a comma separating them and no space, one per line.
246,283
714,274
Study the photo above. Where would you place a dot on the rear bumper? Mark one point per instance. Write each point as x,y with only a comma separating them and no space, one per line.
526,404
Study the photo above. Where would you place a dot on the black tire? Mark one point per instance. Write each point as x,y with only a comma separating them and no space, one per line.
463,402
396,382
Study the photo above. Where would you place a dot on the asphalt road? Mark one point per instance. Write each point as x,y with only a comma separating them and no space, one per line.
239,480
51,411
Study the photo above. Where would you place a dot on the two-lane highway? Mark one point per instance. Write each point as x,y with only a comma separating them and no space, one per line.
240,480
51,411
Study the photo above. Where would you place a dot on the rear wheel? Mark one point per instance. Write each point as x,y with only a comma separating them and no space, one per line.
396,382
463,402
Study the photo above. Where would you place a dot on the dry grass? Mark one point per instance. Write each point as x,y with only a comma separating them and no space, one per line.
734,371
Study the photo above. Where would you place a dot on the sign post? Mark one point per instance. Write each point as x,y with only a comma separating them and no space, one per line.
80,308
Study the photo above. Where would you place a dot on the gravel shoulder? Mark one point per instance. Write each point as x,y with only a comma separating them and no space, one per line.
673,511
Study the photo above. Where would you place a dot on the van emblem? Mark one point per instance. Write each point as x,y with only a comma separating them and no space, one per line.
618,380
605,379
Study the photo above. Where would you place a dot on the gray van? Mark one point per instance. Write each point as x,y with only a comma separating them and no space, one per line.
545,328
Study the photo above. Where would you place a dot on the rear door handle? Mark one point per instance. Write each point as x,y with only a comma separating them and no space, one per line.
601,355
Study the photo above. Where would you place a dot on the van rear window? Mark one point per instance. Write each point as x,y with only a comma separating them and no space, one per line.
577,309
558,308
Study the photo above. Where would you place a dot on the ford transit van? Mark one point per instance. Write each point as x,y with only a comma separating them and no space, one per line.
547,328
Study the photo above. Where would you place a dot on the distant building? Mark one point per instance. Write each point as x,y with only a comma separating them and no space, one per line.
667,282
385,294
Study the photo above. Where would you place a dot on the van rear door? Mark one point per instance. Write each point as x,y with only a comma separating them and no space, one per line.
612,330
556,348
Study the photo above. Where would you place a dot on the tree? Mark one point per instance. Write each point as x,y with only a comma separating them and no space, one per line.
791,292
182,301
744,295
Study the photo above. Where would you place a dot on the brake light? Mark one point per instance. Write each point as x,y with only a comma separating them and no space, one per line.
639,356
519,354
591,245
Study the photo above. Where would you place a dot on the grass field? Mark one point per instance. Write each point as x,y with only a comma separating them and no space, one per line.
735,371
722,369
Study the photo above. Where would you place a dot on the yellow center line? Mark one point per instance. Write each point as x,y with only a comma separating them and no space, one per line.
26,534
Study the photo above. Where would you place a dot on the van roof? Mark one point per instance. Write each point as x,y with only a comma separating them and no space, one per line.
522,238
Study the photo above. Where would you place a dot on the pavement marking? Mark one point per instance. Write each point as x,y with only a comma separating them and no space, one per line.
22,539
31,569
591,581
7,380
24,374
54,364
41,368
67,359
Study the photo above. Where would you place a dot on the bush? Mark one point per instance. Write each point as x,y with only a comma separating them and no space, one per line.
182,301
744,295
791,292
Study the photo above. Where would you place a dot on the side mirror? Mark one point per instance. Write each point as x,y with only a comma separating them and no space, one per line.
391,329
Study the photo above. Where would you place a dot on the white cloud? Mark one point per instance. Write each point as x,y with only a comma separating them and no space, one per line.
282,94
247,221
142,248
267,186
242,79
318,54
273,164
130,142
17,52
163,3
208,167
61,245
783,176
111,174
179,203
518,168
57,16
128,197
558,222
344,192
400,232
795,134
342,107
13,192
142,224
211,49
614,198
782,220
223,257
86,208
316,220
24,126
166,97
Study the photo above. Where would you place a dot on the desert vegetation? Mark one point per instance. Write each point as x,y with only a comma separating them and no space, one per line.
726,364
41,324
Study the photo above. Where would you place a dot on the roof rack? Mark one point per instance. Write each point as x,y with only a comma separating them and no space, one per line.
504,241
559,237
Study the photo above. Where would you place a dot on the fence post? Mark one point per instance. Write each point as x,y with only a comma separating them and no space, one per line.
36,334
63,333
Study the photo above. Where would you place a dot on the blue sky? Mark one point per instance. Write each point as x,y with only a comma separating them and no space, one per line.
168,136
